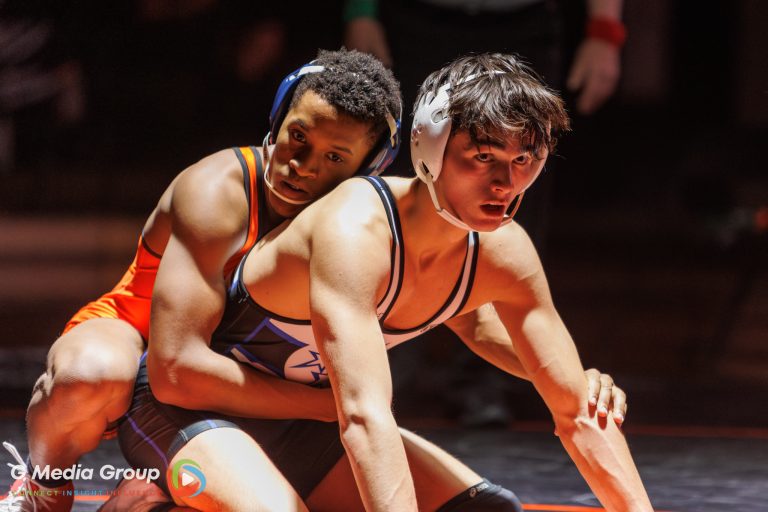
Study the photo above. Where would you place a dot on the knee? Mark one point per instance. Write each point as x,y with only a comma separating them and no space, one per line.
484,497
82,372
92,362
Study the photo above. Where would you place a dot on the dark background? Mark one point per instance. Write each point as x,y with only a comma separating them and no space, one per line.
654,255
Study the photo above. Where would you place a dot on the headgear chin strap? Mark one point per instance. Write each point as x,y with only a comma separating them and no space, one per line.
268,181
429,138
451,218
380,157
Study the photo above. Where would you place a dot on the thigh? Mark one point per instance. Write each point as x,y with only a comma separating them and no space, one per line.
238,475
437,477
272,463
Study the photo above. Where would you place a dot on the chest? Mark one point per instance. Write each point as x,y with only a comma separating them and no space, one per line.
428,285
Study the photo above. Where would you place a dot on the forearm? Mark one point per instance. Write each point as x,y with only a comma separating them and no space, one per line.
604,9
483,332
502,357
379,463
599,450
595,444
354,9
201,379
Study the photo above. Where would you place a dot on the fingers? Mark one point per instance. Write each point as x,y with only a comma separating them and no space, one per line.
594,74
576,75
597,89
593,385
604,398
605,395
619,405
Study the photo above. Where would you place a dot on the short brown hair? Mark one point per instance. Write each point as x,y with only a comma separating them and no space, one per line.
495,94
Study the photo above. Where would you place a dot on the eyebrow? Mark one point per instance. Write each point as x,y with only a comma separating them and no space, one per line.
303,125
486,142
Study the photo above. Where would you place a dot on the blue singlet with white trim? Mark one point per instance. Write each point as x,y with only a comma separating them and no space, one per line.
286,347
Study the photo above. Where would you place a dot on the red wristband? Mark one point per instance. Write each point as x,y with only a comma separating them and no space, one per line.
607,29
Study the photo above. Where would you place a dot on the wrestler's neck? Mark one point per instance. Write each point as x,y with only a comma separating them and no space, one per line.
424,230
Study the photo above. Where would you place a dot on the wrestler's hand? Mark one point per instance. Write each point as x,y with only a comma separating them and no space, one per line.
367,35
603,393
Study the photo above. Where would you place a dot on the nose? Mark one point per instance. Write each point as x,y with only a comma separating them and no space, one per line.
502,179
303,166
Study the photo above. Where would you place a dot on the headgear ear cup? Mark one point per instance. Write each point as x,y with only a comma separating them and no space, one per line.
386,151
284,96
430,132
380,157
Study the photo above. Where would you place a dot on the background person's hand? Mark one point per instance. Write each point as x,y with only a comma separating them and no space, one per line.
594,74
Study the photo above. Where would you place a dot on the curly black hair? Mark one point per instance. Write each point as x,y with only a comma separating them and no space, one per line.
357,84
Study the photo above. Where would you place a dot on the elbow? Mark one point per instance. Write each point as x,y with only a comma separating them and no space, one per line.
358,420
168,382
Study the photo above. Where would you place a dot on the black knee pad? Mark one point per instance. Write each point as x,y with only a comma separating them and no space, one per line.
484,497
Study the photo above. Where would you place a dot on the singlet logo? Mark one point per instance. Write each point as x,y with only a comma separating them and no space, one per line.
187,478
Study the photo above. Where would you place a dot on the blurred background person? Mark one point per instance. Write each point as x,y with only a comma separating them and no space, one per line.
41,83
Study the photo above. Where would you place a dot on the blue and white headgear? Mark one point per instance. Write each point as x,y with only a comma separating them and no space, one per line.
379,158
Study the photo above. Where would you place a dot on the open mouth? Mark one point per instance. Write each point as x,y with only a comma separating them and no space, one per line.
494,210
292,191
292,186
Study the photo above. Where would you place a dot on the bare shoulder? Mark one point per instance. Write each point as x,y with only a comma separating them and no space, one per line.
349,226
353,207
508,256
208,198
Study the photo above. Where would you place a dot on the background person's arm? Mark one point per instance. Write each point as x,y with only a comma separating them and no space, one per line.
208,216
364,32
596,66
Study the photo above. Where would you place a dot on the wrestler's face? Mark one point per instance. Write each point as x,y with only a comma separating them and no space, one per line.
316,149
479,181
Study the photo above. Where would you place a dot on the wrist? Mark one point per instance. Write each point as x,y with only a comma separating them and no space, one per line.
609,30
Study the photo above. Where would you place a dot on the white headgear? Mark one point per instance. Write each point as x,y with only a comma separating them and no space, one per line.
429,137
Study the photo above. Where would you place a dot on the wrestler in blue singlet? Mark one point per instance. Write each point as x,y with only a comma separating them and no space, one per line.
303,450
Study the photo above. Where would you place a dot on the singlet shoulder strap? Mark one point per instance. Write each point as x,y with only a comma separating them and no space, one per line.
397,256
143,243
456,300
253,172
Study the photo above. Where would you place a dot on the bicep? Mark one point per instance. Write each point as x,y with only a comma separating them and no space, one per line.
344,281
189,292
187,298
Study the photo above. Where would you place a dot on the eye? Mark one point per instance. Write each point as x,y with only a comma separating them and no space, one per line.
523,159
298,136
334,157
484,157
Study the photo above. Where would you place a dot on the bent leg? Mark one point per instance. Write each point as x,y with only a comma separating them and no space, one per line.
238,475
87,384
438,477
